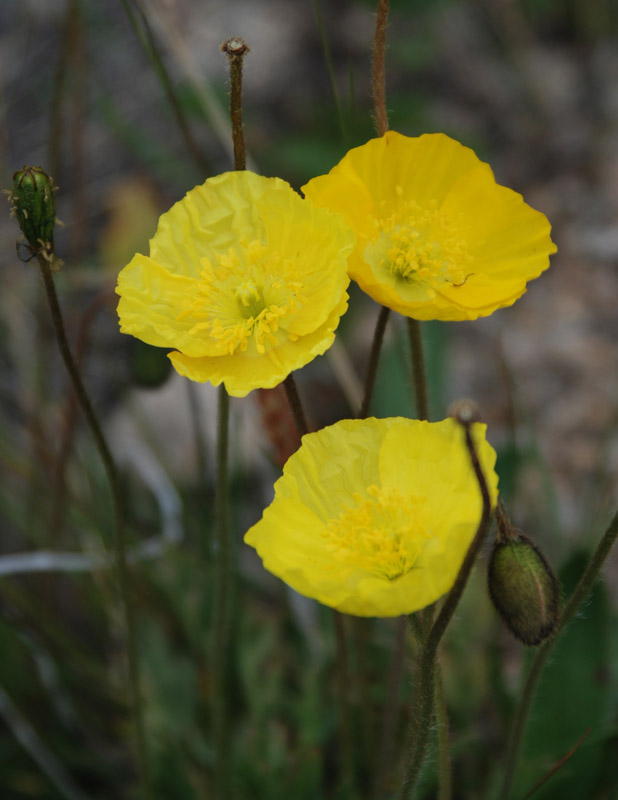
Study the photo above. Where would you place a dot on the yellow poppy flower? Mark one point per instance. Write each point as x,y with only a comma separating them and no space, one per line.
374,517
245,279
437,237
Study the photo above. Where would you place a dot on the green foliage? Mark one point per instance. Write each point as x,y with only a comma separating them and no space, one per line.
574,697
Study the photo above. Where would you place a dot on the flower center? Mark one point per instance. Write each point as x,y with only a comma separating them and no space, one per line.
419,249
244,301
250,299
383,534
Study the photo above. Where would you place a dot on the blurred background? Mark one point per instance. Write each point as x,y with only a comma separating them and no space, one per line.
125,104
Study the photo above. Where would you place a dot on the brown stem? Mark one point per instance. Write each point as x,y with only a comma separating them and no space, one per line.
236,50
374,357
295,405
378,72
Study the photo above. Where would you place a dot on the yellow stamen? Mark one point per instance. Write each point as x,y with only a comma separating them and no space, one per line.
245,299
419,247
384,534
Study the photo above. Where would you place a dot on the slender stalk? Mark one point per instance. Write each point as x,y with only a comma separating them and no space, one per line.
343,679
378,71
572,606
374,357
236,50
331,71
427,669
222,604
119,522
388,726
444,741
149,44
66,444
418,368
295,405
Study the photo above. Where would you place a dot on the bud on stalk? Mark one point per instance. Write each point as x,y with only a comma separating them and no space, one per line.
522,585
33,206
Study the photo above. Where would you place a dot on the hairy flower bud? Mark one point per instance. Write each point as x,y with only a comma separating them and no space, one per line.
523,588
33,205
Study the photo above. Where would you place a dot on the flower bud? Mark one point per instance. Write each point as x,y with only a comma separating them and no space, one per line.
33,199
523,588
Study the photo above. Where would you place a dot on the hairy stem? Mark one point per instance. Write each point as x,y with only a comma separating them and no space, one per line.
221,632
427,670
119,520
572,606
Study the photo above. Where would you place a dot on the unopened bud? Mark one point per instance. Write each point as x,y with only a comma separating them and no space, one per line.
523,588
33,206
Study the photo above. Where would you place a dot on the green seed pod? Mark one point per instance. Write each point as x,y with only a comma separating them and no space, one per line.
33,198
523,588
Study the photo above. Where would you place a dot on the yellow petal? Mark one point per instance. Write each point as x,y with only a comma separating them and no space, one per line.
374,517
437,237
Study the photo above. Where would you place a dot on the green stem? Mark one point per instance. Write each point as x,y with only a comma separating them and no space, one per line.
444,743
418,368
427,669
580,593
149,44
343,679
374,357
221,626
388,726
119,521
378,71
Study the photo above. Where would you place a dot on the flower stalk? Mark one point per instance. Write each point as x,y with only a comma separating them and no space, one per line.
222,617
45,265
236,49
296,405
374,357
34,209
378,68
465,415
418,368
572,606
